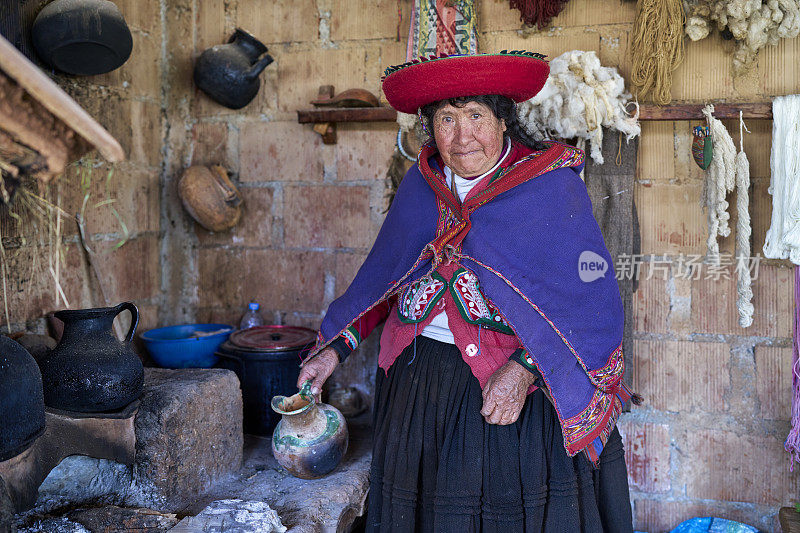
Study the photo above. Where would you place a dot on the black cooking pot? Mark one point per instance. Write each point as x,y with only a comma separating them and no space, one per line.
83,37
21,399
267,361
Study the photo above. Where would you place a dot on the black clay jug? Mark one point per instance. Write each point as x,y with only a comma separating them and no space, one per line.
21,402
229,73
83,37
90,370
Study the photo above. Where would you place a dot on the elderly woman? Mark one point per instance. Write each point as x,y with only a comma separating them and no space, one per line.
501,362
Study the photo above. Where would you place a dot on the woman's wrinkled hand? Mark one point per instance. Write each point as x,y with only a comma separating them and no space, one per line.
505,393
318,369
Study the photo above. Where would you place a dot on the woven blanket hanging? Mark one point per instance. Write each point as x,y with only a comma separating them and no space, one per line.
538,13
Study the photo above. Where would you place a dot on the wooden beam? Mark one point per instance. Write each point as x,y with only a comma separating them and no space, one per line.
56,101
347,114
750,110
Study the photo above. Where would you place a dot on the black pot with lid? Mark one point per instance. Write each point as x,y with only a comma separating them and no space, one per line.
267,361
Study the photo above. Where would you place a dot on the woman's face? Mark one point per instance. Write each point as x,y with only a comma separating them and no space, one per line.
469,138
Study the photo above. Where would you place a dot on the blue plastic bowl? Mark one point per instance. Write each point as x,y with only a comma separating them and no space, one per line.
181,347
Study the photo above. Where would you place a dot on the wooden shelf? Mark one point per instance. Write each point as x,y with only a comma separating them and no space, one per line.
761,110
347,114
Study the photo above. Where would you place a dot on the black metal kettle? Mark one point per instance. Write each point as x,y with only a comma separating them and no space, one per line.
229,73
90,370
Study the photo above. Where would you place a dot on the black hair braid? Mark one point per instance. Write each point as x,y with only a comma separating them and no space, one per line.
503,108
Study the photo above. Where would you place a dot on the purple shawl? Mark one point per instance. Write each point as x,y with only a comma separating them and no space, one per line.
538,254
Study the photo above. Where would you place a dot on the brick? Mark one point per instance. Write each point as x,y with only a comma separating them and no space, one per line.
369,19
28,291
681,376
300,73
778,69
714,304
141,74
271,151
278,22
131,272
686,169
304,320
774,381
332,216
660,516
225,315
134,193
647,455
346,267
670,219
722,465
363,151
552,43
254,227
760,213
614,50
210,144
706,72
757,145
285,280
141,16
212,25
651,302
653,163
220,272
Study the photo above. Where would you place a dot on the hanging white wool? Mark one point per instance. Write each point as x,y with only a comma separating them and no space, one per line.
744,292
783,237
578,99
752,23
720,180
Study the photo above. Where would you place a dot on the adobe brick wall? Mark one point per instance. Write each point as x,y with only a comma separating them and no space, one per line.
708,439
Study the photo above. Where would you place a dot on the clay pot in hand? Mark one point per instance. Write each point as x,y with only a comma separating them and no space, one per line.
311,438
90,370
210,197
21,402
83,37
229,73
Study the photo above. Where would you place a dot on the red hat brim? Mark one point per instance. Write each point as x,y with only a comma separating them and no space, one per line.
517,75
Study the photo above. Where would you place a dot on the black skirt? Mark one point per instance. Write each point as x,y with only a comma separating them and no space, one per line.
438,466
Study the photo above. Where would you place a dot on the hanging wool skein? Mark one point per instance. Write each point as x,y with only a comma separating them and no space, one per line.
657,47
792,444
783,237
538,12
720,180
580,97
744,292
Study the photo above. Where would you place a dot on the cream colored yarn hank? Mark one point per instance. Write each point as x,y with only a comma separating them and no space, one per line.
720,180
783,237
744,291
657,47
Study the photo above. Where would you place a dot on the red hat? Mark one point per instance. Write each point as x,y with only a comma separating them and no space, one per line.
517,74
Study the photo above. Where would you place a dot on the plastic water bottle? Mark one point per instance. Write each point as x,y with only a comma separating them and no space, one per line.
252,317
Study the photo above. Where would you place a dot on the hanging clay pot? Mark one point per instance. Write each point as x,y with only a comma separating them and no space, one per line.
210,197
21,402
229,73
311,437
83,37
90,370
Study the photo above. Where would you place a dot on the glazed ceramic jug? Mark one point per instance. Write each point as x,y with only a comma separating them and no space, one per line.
311,438
90,370
228,73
